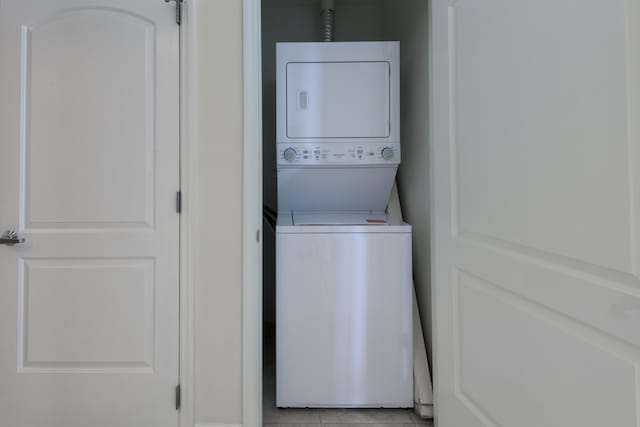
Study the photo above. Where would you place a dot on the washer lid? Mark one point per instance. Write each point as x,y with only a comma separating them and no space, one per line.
338,222
340,218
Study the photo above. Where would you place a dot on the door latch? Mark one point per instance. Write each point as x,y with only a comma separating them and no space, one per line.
10,237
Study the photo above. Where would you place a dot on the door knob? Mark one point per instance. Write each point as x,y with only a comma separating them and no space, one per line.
10,237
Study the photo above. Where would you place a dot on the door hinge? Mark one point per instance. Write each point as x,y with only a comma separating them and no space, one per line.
178,10
179,202
178,397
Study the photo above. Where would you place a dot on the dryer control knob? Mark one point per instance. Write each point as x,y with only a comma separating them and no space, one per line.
289,154
387,153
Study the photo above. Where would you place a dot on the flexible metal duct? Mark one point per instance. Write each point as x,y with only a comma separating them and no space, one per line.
327,15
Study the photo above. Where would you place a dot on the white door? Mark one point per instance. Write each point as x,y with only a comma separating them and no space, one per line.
89,148
536,228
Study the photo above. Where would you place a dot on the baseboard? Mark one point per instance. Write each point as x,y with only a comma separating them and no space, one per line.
217,425
424,411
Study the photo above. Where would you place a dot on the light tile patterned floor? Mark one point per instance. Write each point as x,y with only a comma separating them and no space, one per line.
274,417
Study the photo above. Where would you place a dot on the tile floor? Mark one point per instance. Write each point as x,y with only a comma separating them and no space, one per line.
274,417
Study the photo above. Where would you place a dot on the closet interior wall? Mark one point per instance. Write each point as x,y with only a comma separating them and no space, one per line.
407,21
359,20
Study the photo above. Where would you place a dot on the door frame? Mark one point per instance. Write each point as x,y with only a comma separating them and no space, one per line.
252,215
188,225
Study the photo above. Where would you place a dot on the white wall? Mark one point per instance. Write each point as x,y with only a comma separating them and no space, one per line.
407,22
218,134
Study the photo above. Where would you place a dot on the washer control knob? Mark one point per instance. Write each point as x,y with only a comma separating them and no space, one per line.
387,153
289,154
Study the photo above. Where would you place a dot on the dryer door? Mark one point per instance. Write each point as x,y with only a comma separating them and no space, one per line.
338,99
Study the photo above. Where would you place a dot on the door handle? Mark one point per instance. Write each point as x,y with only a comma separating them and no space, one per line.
10,237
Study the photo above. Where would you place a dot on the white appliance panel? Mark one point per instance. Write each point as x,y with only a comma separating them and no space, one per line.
338,92
338,100
349,188
338,222
340,218
338,153
344,319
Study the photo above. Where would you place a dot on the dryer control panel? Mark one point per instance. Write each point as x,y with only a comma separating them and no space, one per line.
338,154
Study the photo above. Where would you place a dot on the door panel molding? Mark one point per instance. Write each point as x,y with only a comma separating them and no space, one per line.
42,282
602,238
599,301
69,211
509,325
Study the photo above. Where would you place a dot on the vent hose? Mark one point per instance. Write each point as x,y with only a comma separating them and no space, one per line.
327,15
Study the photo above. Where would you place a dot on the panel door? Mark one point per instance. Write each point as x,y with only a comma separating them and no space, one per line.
535,167
89,150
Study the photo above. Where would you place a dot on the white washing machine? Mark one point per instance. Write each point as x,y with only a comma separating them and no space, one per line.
343,311
343,268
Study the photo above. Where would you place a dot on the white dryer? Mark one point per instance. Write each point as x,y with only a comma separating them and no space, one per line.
337,125
343,311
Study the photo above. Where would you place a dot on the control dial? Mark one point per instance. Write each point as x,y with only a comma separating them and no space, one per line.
289,154
387,153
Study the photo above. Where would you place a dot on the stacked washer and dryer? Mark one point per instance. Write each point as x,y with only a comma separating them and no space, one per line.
343,265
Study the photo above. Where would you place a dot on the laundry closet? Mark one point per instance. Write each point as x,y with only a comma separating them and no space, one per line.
329,190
